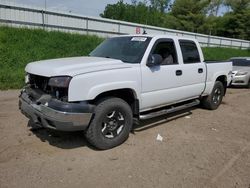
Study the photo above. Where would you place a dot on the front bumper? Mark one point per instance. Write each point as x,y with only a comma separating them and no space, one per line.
240,80
55,114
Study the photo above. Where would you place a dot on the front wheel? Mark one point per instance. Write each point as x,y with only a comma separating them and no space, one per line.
214,100
111,124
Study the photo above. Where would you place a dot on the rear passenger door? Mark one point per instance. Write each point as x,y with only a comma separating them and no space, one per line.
193,70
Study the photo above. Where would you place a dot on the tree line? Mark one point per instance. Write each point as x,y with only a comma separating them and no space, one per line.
227,18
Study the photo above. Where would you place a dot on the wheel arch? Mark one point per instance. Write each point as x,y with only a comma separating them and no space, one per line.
127,94
223,80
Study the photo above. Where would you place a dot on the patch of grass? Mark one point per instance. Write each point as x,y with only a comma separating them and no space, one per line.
19,46
224,53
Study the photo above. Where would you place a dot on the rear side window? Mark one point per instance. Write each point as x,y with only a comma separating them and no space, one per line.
189,51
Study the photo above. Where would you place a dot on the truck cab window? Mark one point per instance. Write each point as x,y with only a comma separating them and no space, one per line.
189,51
166,49
127,49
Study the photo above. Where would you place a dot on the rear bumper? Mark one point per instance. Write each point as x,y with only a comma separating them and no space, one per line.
55,114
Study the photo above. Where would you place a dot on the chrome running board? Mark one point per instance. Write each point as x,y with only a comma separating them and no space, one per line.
169,110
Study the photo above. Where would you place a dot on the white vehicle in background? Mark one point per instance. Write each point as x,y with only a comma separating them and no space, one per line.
125,77
241,71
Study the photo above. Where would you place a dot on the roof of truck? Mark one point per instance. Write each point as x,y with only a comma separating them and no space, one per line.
158,36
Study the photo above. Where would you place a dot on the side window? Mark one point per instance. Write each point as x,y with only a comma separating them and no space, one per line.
189,51
167,51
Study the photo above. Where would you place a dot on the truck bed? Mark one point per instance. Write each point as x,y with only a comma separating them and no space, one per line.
218,67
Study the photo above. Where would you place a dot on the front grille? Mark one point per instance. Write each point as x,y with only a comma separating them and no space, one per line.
39,82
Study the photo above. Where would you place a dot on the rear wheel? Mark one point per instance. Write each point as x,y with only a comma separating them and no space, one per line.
111,124
213,101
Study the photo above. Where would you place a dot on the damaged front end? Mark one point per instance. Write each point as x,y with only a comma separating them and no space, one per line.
56,87
45,101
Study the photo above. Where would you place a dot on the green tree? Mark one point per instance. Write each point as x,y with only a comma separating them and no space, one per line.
137,12
237,24
214,7
115,11
238,5
199,16
190,13
160,5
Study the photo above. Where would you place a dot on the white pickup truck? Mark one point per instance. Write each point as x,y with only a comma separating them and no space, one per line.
125,77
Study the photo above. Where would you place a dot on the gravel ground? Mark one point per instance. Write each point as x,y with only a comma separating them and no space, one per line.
200,148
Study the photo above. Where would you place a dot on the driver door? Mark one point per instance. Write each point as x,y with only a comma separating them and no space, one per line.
162,84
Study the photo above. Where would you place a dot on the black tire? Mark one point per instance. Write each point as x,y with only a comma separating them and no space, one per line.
213,101
111,125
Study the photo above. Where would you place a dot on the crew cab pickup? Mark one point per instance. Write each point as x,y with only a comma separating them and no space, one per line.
125,77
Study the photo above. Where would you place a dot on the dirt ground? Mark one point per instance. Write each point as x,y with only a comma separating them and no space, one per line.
200,148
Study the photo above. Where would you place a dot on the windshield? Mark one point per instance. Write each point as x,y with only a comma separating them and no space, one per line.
241,62
126,49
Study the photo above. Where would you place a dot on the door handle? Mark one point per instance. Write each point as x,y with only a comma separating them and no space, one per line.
178,72
200,70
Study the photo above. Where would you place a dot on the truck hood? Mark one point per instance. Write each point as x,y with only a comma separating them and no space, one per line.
73,66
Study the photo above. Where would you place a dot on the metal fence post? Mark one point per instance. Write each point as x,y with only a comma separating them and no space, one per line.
209,38
43,19
208,41
119,28
87,25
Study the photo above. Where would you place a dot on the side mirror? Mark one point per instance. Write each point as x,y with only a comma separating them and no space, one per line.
154,60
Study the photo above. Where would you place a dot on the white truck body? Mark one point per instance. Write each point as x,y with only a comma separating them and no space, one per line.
92,78
153,87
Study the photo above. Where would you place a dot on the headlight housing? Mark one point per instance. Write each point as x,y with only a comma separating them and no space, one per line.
59,81
241,73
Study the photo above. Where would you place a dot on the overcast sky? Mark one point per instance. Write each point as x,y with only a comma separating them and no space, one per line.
85,7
